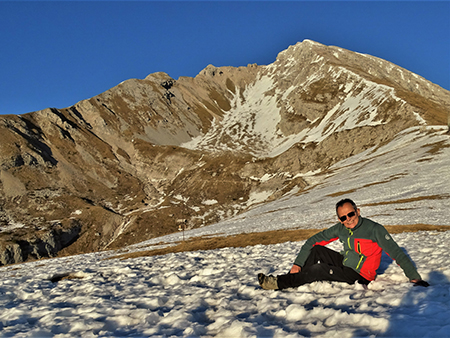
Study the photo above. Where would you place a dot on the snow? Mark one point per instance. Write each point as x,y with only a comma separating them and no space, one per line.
258,197
13,225
253,120
210,202
215,293
317,59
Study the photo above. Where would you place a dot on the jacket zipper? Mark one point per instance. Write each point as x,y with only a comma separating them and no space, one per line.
358,248
348,239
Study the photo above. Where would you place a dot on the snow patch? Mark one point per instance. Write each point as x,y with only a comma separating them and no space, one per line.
209,202
258,197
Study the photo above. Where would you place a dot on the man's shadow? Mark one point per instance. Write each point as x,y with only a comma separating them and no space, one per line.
423,311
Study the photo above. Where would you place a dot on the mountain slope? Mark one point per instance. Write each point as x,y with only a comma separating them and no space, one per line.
216,292
151,155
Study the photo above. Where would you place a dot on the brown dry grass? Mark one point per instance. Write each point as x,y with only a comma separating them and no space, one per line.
265,238
408,200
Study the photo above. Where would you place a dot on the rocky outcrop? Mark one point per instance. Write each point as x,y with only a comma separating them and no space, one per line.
133,162
23,245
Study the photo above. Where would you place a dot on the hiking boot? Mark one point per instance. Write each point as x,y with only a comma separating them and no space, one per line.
267,282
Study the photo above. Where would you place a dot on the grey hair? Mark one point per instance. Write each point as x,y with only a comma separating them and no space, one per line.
343,201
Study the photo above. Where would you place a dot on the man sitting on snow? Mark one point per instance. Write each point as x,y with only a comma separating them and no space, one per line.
363,242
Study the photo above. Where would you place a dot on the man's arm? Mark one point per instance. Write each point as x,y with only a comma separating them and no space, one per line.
388,244
322,238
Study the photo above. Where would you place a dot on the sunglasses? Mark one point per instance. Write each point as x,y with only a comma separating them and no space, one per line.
349,215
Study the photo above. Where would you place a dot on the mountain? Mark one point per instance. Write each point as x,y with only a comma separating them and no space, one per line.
150,156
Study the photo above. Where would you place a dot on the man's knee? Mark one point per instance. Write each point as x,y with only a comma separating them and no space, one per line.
317,247
319,252
317,272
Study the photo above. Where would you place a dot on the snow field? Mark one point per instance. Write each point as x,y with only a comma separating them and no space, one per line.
216,293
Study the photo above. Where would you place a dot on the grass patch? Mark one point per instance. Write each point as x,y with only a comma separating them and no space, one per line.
409,200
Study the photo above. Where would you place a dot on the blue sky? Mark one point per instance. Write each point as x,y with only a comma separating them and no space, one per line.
56,53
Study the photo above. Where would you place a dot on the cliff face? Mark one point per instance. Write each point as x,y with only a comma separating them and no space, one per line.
148,156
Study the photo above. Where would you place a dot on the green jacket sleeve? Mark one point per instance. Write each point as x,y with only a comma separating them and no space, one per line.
387,243
324,237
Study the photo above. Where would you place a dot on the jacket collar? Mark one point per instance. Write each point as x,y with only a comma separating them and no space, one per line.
358,225
360,220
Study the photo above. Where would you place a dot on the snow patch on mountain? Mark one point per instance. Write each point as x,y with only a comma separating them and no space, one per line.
250,124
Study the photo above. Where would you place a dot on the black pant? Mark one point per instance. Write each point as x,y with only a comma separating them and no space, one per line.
323,264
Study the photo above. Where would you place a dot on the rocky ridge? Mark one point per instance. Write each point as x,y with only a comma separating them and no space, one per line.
150,156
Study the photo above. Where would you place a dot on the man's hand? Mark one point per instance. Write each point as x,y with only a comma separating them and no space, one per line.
420,282
295,269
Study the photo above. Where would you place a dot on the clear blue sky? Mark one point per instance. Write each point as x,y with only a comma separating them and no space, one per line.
54,54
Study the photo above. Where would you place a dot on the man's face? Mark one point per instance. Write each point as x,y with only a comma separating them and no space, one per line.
349,222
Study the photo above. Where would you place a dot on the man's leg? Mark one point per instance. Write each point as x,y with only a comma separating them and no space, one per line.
323,255
322,264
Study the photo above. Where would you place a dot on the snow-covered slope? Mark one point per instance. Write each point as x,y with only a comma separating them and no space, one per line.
215,293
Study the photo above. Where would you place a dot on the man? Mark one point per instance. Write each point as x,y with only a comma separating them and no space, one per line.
363,240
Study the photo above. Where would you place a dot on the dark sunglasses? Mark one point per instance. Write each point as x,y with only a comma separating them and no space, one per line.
349,215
